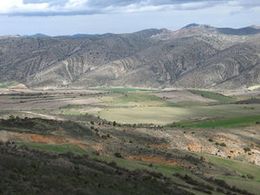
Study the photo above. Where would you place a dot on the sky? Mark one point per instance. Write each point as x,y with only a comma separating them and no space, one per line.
67,17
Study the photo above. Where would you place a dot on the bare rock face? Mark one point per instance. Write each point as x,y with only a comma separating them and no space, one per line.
194,56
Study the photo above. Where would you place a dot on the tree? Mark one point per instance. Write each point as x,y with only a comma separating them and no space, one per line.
114,123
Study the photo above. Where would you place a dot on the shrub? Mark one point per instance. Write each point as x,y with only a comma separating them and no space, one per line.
247,149
221,144
118,155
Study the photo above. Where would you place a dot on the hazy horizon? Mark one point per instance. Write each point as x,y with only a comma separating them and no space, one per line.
102,33
69,17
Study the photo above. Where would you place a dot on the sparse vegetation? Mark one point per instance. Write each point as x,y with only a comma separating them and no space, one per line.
69,174
54,148
43,126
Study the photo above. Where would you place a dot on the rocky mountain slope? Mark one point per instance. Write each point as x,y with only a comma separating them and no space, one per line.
194,56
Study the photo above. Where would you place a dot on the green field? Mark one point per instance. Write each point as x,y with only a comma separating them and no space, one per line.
137,107
224,123
167,115
214,96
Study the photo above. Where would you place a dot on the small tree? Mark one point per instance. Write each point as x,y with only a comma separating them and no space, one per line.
114,123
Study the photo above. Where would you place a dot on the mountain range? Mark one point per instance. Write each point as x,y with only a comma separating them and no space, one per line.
195,56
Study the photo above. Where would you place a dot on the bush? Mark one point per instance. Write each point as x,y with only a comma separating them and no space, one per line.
118,155
247,149
221,144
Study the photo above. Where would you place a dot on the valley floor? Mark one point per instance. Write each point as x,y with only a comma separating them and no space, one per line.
177,141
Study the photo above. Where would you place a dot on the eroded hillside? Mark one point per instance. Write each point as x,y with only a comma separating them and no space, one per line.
194,56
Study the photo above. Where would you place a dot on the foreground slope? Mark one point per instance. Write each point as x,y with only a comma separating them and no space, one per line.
48,158
30,172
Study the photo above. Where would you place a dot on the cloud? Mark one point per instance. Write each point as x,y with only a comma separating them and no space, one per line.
88,7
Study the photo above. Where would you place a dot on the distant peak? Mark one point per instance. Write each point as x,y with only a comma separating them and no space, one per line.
191,25
255,27
39,35
195,25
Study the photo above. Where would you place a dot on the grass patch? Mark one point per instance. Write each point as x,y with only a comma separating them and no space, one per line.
214,96
145,115
184,116
216,123
250,172
134,165
237,166
7,84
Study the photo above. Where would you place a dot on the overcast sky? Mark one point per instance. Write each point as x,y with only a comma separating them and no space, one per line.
66,17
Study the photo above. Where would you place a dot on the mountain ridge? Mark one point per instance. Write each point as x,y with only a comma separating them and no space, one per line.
191,25
194,56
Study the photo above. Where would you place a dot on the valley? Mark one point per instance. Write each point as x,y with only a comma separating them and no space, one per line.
187,141
129,97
